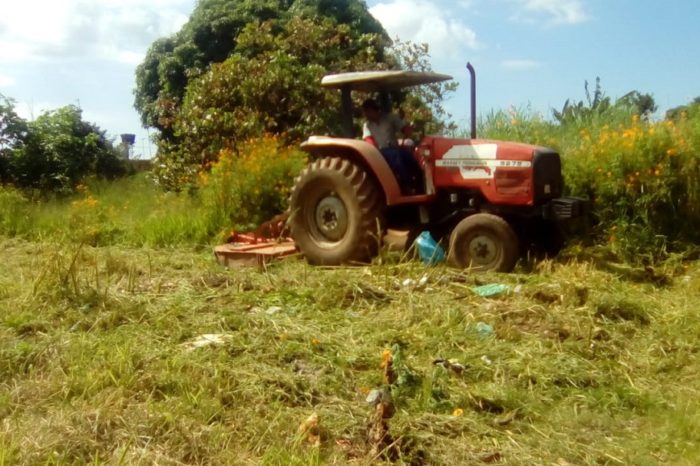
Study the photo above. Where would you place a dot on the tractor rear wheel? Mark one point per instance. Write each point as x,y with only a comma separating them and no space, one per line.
336,213
483,243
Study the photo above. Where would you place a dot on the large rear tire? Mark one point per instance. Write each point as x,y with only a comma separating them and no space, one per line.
336,213
483,243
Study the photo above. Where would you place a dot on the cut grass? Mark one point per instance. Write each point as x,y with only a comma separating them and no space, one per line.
585,366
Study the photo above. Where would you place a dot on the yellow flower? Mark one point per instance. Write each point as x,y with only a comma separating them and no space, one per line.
671,152
458,412
386,358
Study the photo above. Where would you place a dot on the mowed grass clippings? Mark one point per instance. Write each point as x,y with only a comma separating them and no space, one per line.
575,365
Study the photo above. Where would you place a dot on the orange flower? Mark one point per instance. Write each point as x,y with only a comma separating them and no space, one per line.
386,358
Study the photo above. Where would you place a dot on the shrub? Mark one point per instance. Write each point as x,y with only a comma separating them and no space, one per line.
246,188
55,152
643,178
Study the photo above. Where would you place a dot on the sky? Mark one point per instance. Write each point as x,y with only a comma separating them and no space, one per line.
532,54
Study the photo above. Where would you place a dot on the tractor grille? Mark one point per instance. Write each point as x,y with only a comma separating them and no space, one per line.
547,180
566,208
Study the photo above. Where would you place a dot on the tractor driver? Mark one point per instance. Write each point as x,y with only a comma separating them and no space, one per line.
380,130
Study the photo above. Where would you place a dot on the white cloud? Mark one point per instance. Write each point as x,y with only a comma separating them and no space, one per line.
6,81
520,65
421,21
557,11
119,30
31,110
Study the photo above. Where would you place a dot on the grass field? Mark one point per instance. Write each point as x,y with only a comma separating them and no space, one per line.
582,362
586,360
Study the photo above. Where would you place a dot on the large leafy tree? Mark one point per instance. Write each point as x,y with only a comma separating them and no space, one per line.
13,131
211,35
270,84
55,152
240,68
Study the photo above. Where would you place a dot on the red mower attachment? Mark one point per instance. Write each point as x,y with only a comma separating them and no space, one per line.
268,242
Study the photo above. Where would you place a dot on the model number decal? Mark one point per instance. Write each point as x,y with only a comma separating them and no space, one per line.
476,163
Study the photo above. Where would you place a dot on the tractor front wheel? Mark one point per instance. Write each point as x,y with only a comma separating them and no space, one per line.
483,243
336,213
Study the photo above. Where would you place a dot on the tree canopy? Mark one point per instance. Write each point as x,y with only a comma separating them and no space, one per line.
55,152
270,84
211,35
241,68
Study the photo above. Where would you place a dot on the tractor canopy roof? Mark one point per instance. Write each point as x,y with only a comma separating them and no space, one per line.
372,81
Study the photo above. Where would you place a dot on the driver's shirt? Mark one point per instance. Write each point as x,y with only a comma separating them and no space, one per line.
384,130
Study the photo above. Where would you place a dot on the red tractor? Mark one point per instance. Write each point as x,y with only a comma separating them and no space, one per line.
495,200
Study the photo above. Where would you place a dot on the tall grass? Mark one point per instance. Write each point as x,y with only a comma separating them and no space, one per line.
131,211
239,191
642,176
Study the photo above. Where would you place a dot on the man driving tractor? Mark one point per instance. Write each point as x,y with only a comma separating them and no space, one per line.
380,130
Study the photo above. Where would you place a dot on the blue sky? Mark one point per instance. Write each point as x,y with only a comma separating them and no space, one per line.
526,52
540,52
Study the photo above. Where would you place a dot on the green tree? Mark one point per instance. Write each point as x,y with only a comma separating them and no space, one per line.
211,35
638,103
690,110
269,85
595,105
422,105
13,132
599,105
59,149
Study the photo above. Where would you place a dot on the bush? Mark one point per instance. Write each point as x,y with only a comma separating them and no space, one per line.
641,176
643,179
14,218
55,152
243,190
61,150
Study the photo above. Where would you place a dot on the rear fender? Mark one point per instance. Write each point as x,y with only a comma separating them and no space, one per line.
361,153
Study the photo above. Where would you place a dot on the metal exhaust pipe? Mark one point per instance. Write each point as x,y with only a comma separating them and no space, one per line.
473,99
